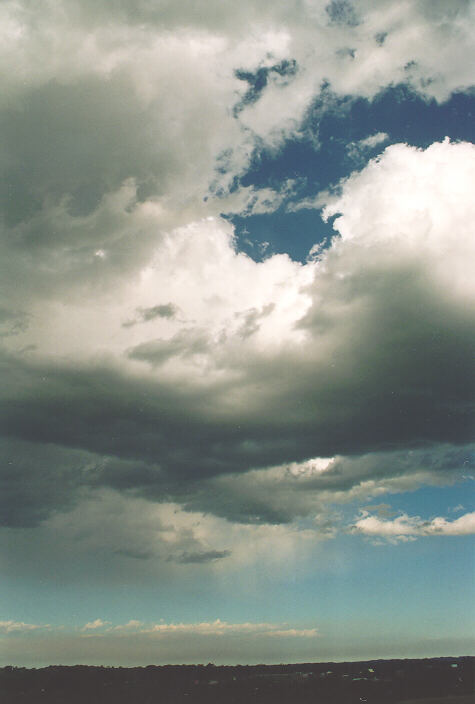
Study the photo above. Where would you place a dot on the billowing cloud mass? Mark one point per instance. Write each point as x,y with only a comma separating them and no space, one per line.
330,357
169,405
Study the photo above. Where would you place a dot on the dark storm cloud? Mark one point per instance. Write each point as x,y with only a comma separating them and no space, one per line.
36,480
97,408
282,494
402,377
125,475
362,402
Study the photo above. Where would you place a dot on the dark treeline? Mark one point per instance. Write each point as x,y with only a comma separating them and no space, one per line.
450,680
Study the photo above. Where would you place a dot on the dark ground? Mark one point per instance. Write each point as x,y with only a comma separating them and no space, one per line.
429,681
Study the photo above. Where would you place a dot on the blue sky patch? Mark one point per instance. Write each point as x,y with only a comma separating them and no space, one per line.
327,151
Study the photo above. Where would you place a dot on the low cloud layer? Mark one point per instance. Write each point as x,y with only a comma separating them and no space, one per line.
138,643
135,643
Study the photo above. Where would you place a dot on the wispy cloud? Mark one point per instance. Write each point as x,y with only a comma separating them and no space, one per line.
374,139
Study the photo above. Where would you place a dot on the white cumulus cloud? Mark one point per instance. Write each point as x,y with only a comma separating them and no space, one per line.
404,527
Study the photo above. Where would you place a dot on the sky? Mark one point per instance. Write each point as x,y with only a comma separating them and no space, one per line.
236,331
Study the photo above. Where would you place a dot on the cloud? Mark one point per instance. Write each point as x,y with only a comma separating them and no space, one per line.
12,322
362,357
187,342
37,480
404,527
144,315
136,643
109,538
133,523
133,624
457,509
207,628
141,352
201,557
358,151
115,521
93,625
342,12
224,642
75,63
19,627
171,409
122,152
219,627
341,352
373,140
315,487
